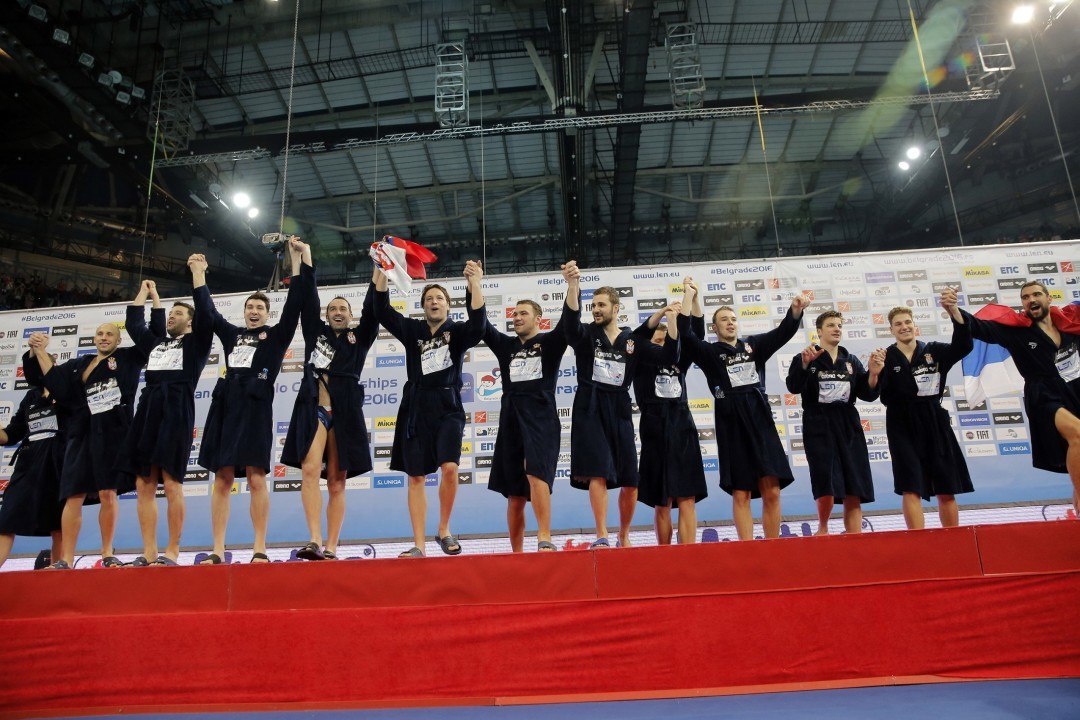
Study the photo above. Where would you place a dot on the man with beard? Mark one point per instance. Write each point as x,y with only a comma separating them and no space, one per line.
830,379
671,470
926,458
99,392
32,497
753,462
239,431
1045,345
431,419
527,446
158,443
602,451
327,433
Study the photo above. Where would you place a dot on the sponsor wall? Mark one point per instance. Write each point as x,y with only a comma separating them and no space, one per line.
994,434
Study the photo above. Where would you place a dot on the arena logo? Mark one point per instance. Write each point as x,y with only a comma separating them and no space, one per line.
911,275
651,303
1037,268
940,287
719,299
750,285
1008,418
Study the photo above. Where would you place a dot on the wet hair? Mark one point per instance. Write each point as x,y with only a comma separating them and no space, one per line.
900,310
433,286
820,322
611,292
261,297
1029,283
534,305
717,311
187,306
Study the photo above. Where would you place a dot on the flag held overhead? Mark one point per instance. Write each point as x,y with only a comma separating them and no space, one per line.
402,260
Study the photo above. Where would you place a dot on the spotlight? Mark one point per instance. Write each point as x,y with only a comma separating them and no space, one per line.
241,200
904,165
61,36
38,13
253,212
123,98
913,152
138,93
1023,14
86,60
105,79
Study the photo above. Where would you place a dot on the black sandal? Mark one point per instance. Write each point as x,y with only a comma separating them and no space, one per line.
111,561
140,561
260,558
310,551
450,545
211,559
329,555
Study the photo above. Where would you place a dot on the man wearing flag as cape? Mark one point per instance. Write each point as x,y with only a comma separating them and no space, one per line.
1044,342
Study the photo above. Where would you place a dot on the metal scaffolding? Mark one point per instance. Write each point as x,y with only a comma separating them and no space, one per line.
684,66
173,104
451,84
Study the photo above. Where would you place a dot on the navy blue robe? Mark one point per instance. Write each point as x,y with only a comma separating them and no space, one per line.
32,504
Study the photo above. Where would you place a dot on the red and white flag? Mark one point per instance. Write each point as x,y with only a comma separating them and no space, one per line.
402,260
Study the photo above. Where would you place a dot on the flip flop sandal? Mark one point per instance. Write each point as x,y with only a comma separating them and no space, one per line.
140,561
310,551
413,552
111,561
260,559
545,546
450,545
59,565
600,543
329,555
166,560
211,559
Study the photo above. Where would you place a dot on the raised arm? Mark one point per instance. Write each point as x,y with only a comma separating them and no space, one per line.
962,342
385,313
202,325
135,321
367,329
766,344
473,329
573,330
311,323
868,382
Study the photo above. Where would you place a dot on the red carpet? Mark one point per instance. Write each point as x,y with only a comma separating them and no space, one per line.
988,602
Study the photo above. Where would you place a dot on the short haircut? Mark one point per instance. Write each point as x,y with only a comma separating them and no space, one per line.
820,322
611,292
261,297
187,306
434,286
338,297
717,311
534,305
1029,283
900,310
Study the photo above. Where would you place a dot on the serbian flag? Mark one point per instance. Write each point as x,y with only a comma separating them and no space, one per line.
402,260
989,370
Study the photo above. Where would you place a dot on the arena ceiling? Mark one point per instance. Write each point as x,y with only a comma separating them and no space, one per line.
614,132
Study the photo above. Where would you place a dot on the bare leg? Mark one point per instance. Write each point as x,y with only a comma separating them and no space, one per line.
448,486
1069,426
515,521
57,545
260,506
220,498
310,494
540,496
948,513
146,509
662,523
627,505
417,508
824,510
176,508
913,511
740,511
7,540
770,505
335,510
852,514
107,520
598,497
687,521
70,524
